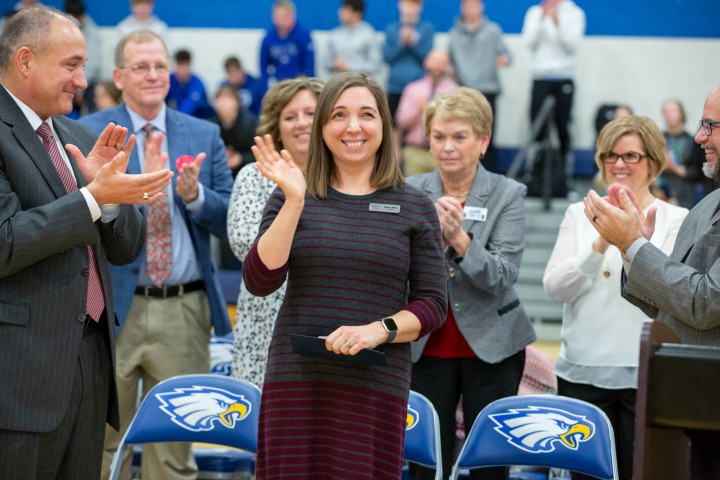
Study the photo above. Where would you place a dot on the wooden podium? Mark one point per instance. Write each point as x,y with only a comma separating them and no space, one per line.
678,390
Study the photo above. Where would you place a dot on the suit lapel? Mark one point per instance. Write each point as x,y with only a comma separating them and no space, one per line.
691,233
479,193
65,137
180,145
26,137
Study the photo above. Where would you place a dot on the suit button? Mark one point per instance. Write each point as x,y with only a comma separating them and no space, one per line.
85,272
456,306
81,318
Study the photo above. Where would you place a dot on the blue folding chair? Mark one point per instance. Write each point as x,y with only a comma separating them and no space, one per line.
206,408
542,431
422,434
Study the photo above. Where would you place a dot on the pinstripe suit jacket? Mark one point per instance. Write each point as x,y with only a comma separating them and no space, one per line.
43,271
683,290
481,284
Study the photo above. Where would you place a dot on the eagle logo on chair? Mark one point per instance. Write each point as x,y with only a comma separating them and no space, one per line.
539,429
200,408
413,416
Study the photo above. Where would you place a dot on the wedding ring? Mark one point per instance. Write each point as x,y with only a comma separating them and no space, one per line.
594,218
146,196
119,147
347,344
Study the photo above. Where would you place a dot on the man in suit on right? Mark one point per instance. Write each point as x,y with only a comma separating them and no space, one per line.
682,290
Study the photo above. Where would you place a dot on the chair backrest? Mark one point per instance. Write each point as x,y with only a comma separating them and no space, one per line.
422,434
196,408
221,354
541,430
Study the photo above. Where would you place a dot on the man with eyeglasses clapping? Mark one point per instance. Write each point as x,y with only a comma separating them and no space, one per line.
166,299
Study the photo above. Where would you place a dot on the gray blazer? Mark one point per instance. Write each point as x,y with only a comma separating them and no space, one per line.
481,284
683,290
43,271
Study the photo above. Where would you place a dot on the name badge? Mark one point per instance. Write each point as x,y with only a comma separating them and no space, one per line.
478,214
384,208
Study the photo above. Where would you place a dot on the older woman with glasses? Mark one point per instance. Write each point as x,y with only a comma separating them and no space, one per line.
479,352
601,330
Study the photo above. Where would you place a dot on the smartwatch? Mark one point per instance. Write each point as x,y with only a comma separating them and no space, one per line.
390,327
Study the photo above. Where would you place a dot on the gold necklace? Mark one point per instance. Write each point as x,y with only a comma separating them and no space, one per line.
457,195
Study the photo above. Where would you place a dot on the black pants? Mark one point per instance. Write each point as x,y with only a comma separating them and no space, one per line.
619,406
562,91
444,380
704,455
74,449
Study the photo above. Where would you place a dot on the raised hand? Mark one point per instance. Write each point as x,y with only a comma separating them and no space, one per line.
109,143
280,168
451,214
187,182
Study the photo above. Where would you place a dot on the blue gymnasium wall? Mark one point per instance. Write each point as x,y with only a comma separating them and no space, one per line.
641,18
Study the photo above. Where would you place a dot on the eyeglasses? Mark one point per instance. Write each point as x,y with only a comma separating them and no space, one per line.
144,68
707,126
627,157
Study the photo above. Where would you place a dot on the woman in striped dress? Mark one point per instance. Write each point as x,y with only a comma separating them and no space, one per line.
362,254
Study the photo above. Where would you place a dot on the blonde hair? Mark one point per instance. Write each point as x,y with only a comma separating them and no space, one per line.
462,103
277,98
649,133
320,171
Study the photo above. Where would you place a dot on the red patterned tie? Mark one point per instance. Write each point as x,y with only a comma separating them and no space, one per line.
95,300
159,233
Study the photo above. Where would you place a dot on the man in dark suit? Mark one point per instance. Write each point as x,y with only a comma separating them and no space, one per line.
166,314
63,217
682,290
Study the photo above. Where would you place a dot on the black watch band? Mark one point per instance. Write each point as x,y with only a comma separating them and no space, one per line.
390,327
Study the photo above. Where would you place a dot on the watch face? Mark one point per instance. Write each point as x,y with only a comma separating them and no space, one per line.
390,325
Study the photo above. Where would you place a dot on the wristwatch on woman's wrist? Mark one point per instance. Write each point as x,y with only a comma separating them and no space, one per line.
390,327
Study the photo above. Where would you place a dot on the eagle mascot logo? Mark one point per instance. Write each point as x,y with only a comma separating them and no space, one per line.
199,408
539,429
413,416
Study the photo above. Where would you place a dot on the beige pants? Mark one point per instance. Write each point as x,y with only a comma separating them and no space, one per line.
417,160
161,338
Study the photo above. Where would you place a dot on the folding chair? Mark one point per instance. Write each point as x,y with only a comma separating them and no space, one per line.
422,434
207,408
542,431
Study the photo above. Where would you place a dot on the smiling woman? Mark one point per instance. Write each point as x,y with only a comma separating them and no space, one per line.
601,330
362,254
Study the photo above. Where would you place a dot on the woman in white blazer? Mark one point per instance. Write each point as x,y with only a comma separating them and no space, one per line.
601,330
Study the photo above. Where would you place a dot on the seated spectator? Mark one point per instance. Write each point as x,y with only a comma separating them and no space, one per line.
353,46
683,175
141,16
287,49
409,116
187,92
106,95
237,128
250,89
407,43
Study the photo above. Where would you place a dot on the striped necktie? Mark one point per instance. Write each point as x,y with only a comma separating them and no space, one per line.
95,301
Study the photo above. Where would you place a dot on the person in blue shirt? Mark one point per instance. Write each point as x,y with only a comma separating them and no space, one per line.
287,49
251,90
407,43
187,92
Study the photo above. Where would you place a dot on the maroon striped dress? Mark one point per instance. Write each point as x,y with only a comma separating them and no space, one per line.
349,265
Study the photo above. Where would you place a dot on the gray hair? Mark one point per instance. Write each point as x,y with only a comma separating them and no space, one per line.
143,35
